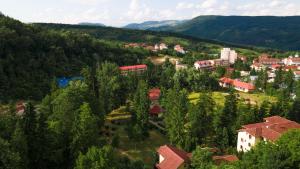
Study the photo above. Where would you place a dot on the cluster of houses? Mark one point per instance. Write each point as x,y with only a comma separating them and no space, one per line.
266,62
250,135
228,57
157,47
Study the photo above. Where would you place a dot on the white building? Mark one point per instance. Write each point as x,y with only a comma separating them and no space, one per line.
270,130
228,54
292,61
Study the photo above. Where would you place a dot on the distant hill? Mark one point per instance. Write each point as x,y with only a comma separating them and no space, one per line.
265,31
91,24
153,24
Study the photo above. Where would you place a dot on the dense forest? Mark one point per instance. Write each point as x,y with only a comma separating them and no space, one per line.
31,56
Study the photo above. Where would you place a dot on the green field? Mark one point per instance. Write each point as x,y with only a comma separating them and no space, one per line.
219,97
144,150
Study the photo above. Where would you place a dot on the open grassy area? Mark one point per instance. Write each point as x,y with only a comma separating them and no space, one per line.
144,150
219,97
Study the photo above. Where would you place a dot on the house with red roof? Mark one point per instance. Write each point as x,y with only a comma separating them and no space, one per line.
20,108
138,69
292,61
172,158
179,49
236,84
270,130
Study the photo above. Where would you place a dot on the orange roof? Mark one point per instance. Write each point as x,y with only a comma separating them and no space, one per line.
173,157
271,129
237,83
133,67
154,94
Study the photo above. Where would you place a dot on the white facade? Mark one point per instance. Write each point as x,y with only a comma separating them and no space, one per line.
228,54
246,141
161,158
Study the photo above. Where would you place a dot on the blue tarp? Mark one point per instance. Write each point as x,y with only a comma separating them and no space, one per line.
64,81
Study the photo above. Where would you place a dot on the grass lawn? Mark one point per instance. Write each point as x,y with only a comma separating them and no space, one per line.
219,97
144,150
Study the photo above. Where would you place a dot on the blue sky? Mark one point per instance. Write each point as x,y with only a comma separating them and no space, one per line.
122,12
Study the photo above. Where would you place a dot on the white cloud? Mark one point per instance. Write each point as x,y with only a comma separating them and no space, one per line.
184,5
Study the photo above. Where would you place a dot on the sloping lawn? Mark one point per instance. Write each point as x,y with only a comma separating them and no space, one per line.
219,97
144,150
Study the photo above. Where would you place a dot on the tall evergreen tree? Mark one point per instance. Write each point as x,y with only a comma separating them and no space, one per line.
176,106
30,126
85,131
141,107
19,144
201,118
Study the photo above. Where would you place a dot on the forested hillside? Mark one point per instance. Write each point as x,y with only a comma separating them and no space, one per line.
31,56
266,31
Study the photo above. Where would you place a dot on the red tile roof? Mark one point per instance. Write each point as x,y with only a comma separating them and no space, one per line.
154,94
271,129
237,83
226,158
173,157
133,67
156,110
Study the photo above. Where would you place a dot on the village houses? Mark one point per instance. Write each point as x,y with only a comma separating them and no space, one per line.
270,130
236,84
138,69
179,49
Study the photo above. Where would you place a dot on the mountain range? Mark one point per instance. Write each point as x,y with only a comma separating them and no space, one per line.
265,31
154,24
91,24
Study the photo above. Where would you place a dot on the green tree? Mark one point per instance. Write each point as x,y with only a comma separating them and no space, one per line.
294,112
85,130
202,159
19,144
200,118
176,106
30,126
97,158
109,84
8,158
141,105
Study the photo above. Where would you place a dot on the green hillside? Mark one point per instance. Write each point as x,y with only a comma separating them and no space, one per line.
266,31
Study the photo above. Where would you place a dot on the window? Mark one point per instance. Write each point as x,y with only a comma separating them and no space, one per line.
250,136
242,140
249,144
241,147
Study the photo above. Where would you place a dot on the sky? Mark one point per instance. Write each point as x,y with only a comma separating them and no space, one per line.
122,12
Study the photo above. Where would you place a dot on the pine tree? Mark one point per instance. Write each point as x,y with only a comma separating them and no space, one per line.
294,112
85,131
30,125
201,118
19,144
141,106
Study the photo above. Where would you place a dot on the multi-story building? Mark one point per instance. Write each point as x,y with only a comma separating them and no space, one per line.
138,69
270,130
228,54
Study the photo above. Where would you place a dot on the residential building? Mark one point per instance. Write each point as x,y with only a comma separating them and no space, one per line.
297,75
204,64
138,69
179,49
236,84
268,61
20,108
161,46
180,66
228,54
292,61
270,130
172,158
257,66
